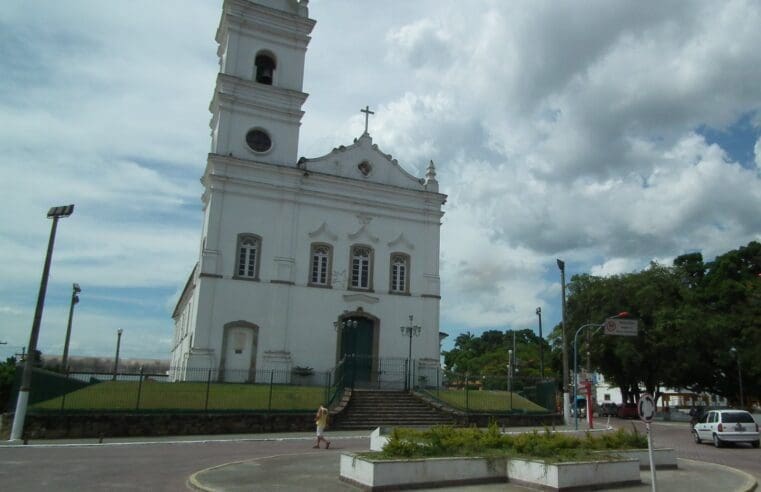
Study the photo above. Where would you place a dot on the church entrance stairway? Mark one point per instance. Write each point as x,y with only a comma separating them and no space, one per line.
368,409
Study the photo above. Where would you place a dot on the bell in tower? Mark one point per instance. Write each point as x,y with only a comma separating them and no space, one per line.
265,69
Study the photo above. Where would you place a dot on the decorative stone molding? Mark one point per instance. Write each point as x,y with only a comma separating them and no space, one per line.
401,239
361,298
323,232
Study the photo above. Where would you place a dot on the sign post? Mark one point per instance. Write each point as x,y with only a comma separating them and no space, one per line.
621,326
646,411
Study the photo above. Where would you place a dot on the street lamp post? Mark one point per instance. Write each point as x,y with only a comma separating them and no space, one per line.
410,331
566,380
22,401
622,314
510,367
739,375
541,343
74,300
118,344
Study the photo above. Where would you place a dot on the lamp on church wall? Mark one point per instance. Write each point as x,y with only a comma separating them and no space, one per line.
410,331
341,327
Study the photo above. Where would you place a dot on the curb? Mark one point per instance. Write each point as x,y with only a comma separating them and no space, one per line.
195,484
750,481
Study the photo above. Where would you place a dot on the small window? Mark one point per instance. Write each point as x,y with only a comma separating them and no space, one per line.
265,68
361,267
400,266
321,259
258,140
248,256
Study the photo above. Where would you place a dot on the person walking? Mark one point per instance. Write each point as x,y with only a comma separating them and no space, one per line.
321,421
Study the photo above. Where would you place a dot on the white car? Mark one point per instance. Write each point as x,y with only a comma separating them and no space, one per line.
722,426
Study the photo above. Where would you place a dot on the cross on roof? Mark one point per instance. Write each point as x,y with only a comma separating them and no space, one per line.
367,115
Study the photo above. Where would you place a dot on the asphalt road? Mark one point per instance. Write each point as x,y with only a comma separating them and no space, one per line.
155,467
677,435
164,466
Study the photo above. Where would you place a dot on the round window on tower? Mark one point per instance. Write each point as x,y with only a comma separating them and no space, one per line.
258,140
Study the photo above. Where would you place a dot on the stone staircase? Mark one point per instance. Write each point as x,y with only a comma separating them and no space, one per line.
368,409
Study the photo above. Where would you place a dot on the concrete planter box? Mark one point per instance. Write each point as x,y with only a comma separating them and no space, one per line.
574,475
663,458
431,472
378,439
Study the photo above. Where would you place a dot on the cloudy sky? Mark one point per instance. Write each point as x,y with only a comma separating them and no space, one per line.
605,133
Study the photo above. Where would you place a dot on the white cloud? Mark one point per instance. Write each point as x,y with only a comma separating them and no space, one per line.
558,130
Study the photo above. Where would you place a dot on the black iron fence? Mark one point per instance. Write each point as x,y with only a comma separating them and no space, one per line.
273,390
203,390
492,393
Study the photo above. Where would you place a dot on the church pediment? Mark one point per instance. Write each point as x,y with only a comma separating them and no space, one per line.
363,161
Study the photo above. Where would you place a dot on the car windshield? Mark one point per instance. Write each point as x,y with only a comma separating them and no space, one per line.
733,417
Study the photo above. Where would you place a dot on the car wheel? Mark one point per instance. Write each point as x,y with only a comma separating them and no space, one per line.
696,437
755,444
717,442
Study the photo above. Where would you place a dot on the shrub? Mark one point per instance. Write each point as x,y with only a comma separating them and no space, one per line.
547,445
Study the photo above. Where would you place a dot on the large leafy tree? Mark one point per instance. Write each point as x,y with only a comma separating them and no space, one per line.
488,353
699,323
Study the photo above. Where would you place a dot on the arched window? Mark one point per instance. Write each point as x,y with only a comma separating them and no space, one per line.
400,268
321,260
249,247
361,267
265,68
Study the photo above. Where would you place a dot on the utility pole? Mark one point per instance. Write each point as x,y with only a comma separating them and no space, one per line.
566,381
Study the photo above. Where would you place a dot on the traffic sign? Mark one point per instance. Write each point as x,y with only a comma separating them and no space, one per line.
646,408
619,326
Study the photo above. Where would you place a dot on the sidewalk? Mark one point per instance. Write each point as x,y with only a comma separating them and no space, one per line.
319,471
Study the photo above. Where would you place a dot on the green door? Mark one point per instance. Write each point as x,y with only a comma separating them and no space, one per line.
357,349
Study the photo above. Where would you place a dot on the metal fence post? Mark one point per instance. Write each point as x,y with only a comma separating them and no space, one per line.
139,389
467,407
63,397
327,389
438,383
208,386
272,377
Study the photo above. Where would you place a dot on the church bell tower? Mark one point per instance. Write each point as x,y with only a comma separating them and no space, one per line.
256,108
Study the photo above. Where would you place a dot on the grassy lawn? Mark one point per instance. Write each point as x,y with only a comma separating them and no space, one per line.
487,401
122,395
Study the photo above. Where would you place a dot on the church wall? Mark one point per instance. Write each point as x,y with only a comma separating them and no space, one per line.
303,323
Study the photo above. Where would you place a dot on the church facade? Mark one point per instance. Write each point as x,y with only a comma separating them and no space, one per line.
301,261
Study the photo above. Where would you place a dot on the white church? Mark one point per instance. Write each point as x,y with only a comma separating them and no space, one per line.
302,261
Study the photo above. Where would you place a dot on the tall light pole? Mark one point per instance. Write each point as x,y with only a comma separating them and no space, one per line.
541,343
118,344
566,396
410,331
510,367
74,300
19,416
739,375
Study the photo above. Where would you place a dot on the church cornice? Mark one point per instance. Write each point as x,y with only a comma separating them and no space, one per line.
240,95
255,19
